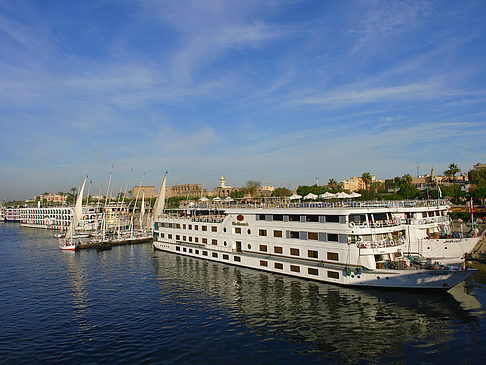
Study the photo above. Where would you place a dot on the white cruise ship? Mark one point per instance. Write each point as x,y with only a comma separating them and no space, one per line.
358,246
429,233
3,211
59,218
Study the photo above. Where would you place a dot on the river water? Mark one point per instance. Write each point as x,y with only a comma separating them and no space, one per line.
132,304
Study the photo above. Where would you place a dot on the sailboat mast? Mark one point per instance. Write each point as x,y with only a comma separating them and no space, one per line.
135,206
87,201
106,201
142,211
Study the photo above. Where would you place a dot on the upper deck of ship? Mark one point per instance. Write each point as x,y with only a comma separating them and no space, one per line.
285,204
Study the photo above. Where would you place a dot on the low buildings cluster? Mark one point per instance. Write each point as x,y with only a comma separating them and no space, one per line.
197,191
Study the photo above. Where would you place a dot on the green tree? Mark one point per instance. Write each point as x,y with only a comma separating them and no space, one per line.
452,171
314,189
397,182
237,194
406,180
332,185
477,176
407,191
366,177
252,187
282,192
367,195
480,194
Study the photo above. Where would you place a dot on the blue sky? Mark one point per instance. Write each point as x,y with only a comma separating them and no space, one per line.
276,91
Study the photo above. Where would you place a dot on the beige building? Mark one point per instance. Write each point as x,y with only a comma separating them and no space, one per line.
223,190
266,190
186,190
353,184
147,191
56,198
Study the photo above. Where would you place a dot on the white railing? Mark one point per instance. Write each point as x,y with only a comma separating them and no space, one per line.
380,243
266,203
427,220
210,219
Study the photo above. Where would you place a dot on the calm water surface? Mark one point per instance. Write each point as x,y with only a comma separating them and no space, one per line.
136,305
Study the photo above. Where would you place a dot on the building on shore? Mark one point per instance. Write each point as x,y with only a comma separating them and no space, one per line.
53,198
266,190
353,184
147,191
223,190
186,190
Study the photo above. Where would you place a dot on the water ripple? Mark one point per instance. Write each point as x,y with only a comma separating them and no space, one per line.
134,305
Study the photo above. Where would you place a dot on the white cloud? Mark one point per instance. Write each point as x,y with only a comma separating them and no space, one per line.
373,22
354,95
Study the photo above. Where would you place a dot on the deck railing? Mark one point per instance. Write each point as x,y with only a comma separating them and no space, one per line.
380,243
427,220
268,203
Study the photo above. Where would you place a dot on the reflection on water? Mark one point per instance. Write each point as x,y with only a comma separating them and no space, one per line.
325,319
132,304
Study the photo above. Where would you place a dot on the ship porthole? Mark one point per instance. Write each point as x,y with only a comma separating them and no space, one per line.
387,278
249,247
224,229
225,243
378,277
249,231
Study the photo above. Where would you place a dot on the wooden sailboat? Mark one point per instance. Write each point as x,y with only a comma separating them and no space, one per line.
159,202
70,242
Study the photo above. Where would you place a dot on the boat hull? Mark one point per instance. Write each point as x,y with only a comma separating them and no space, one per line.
418,279
450,251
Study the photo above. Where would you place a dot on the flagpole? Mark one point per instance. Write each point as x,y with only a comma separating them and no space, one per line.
472,215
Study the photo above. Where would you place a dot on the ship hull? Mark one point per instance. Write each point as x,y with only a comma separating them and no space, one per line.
419,279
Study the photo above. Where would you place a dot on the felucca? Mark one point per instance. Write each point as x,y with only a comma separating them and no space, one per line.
69,242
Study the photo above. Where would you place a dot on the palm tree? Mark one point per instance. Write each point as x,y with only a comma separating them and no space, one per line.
366,177
332,184
453,170
397,181
407,179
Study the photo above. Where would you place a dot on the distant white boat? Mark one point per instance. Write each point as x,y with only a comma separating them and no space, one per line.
70,241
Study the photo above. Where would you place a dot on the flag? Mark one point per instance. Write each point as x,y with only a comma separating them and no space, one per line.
440,192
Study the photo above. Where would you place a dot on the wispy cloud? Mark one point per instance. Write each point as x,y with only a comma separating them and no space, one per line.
373,22
431,89
271,90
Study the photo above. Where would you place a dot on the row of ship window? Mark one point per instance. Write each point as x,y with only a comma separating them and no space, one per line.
301,218
302,235
263,263
268,217
315,236
314,254
185,226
